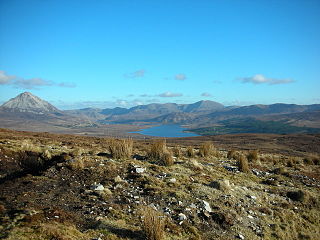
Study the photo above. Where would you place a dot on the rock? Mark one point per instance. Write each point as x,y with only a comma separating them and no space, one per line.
182,217
240,236
206,206
140,170
223,185
97,187
172,180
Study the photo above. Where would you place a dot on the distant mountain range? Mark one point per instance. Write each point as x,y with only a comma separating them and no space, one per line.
202,114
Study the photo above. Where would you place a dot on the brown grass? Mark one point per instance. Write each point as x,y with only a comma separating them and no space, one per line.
121,148
153,224
232,154
190,152
177,151
158,151
253,156
243,164
207,150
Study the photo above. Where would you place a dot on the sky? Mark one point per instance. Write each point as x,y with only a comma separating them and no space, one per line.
122,53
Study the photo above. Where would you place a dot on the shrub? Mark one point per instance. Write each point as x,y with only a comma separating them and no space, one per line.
299,195
252,156
153,224
121,148
207,150
243,164
190,152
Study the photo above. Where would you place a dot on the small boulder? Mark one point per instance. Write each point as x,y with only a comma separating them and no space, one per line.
206,206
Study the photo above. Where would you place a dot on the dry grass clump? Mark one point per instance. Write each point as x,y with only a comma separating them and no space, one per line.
190,152
158,151
167,159
312,159
77,163
232,154
153,224
243,164
157,148
31,162
121,148
177,151
28,145
207,150
253,156
196,165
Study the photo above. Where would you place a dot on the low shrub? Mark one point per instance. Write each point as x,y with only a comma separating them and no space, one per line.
31,162
158,151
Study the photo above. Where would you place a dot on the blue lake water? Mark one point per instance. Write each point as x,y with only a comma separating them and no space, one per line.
171,130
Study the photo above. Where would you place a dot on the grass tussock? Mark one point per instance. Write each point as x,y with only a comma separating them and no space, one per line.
207,150
31,162
158,151
232,154
153,224
253,156
243,164
190,152
121,148
177,152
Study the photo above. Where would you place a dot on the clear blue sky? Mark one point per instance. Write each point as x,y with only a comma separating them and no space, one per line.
121,53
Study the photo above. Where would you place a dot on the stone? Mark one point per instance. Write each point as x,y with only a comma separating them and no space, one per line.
182,217
140,170
172,180
97,187
206,206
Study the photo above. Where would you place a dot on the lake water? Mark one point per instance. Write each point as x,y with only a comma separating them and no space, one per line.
172,130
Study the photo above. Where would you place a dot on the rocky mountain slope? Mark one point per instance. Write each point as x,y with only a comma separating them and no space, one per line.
27,102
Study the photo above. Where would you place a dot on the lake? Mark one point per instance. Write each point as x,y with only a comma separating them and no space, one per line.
172,130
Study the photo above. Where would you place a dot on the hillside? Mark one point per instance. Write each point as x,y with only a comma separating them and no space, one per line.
79,188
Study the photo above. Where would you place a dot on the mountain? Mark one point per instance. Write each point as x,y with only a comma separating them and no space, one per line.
29,112
26,102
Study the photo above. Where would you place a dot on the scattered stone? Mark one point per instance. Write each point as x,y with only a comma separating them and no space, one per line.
172,180
97,187
140,169
182,217
206,206
240,236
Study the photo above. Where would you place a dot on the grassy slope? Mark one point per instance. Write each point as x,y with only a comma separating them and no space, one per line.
251,125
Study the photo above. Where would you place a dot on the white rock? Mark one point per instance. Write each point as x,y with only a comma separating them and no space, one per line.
182,217
206,206
140,170
172,180
240,236
97,187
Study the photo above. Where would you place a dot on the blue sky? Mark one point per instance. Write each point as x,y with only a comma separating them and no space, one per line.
122,53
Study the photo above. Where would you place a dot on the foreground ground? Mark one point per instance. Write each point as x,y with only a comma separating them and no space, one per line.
78,188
